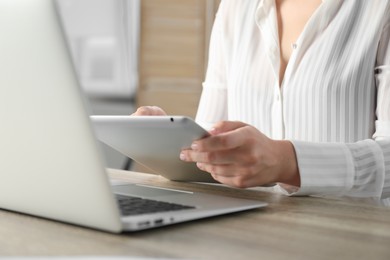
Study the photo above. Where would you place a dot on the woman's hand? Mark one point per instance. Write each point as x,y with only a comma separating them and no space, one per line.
149,111
239,155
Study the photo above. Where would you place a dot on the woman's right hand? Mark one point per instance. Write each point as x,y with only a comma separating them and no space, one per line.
149,111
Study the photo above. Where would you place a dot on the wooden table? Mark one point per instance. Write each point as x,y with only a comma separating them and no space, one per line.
289,228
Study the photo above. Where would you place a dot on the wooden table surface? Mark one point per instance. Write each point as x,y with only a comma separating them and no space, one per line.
289,228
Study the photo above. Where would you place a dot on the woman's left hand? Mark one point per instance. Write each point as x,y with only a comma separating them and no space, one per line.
239,155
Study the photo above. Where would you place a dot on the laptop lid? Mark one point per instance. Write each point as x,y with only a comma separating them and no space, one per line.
50,160
50,163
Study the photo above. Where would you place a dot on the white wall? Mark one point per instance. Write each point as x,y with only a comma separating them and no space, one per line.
103,36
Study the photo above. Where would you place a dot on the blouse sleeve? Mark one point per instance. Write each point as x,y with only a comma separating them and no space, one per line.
213,102
359,169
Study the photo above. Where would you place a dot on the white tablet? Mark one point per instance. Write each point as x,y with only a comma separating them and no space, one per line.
155,142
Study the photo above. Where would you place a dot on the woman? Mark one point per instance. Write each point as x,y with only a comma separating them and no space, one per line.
297,92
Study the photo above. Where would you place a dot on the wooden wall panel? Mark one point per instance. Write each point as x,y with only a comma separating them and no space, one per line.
174,49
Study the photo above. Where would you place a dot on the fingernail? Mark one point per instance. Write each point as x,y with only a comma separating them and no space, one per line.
194,146
199,165
182,156
213,131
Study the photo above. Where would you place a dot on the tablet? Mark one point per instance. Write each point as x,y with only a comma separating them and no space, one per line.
155,142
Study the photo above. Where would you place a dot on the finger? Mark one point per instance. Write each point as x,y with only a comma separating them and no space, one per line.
229,175
149,111
226,126
219,158
224,141
234,181
228,171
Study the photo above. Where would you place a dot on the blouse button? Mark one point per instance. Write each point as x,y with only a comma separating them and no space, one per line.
294,46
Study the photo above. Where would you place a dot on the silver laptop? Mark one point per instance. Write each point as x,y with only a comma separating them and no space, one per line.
51,164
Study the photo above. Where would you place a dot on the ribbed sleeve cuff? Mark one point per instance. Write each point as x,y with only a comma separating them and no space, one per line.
369,169
325,168
355,170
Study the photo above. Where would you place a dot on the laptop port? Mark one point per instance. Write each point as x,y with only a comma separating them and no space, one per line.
144,224
159,221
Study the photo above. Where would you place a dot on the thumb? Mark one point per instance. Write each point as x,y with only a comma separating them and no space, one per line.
226,126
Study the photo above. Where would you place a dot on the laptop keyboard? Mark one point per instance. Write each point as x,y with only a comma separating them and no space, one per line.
131,206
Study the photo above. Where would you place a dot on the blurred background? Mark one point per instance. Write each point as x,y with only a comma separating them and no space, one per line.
130,53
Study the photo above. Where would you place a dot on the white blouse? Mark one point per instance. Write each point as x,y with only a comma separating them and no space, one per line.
334,100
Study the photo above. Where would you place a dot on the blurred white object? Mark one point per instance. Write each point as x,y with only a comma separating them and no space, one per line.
104,39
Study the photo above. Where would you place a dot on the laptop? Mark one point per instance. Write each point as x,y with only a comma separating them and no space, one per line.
51,164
